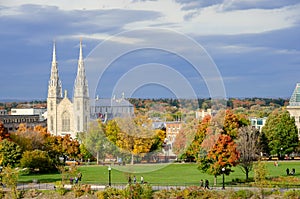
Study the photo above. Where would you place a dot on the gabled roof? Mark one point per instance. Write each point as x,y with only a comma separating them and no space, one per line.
111,102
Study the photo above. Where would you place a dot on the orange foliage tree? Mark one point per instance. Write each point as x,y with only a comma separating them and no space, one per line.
218,148
3,132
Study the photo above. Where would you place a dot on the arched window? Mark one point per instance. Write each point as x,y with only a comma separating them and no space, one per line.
51,105
51,123
65,121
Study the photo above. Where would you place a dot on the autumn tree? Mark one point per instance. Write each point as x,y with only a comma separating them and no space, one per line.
219,148
248,147
232,123
193,150
223,155
281,132
184,138
3,132
158,139
135,136
61,146
30,138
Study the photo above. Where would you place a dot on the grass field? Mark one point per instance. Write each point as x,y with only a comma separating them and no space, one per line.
172,174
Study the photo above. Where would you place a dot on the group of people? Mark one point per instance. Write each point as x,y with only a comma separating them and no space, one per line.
290,173
134,180
204,185
76,179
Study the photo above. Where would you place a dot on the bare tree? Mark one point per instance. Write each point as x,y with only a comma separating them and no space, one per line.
248,147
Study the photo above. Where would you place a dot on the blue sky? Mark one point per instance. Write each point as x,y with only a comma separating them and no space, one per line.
254,45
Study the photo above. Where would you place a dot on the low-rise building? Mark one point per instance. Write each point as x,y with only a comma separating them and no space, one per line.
258,123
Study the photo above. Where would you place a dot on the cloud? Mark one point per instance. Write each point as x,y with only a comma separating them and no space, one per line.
250,41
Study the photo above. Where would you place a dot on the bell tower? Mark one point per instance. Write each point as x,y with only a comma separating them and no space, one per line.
81,101
54,95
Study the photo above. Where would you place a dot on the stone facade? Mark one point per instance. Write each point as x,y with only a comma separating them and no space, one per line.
72,116
65,116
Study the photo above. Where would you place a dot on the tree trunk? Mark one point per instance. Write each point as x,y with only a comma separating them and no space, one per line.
97,157
215,180
132,159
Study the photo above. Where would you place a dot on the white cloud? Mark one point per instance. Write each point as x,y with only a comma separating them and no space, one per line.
213,20
217,19
101,37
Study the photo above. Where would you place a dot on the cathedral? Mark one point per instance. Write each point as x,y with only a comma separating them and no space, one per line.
72,116
65,116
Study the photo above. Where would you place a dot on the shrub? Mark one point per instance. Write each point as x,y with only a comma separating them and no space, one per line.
110,192
59,188
241,194
291,194
37,160
32,193
79,190
136,191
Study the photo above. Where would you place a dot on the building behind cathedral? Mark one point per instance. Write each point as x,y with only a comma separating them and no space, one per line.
294,107
72,116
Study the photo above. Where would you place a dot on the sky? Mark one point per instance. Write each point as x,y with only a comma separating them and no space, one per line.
152,48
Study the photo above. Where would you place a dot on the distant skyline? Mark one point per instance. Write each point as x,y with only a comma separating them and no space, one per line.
254,44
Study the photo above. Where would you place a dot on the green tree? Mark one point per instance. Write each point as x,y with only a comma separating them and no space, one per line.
260,176
281,132
10,153
85,154
10,178
96,141
37,161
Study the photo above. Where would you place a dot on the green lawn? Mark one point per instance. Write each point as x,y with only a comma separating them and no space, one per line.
173,174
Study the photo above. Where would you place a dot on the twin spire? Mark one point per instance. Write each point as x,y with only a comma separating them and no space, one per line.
54,52
80,87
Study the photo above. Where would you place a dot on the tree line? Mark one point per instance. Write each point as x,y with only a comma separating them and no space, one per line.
227,139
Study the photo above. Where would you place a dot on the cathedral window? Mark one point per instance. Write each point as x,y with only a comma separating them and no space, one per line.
78,106
65,121
51,105
51,123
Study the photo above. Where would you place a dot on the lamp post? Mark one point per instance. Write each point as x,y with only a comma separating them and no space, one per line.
109,176
223,171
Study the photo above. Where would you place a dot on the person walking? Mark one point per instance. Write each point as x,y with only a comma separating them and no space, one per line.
201,183
79,176
142,180
206,184
134,179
